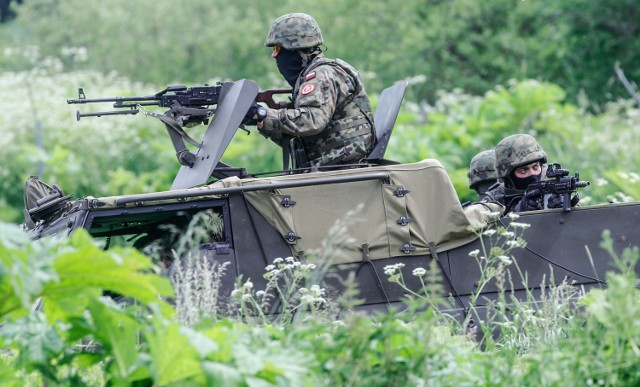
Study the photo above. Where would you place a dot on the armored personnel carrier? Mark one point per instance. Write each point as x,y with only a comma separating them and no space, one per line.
390,214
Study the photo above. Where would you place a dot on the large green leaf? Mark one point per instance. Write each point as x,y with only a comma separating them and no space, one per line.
84,269
173,358
25,267
117,332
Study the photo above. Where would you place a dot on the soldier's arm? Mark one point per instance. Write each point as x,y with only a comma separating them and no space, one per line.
313,107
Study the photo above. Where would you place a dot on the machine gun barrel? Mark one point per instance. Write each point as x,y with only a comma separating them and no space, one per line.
109,113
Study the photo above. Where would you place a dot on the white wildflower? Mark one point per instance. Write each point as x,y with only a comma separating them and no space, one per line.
260,293
520,225
513,216
246,297
278,260
309,266
489,232
507,234
513,243
419,271
391,269
270,267
307,299
474,253
506,260
290,259
317,290
248,285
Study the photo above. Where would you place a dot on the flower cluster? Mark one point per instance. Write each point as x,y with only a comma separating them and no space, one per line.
392,269
289,264
313,295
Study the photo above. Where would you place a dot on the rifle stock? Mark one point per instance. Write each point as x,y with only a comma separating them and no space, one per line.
266,97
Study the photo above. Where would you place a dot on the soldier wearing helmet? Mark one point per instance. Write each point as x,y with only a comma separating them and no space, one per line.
520,161
482,172
329,121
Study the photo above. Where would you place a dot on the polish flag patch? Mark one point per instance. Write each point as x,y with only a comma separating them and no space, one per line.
310,76
308,88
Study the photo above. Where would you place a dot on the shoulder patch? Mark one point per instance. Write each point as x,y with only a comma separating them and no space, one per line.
310,76
308,88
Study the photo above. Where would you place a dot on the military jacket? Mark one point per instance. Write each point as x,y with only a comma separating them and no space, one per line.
508,197
331,114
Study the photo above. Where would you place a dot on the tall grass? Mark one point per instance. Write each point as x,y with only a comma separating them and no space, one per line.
562,336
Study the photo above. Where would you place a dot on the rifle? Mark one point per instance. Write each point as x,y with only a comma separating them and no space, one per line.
559,183
187,107
173,97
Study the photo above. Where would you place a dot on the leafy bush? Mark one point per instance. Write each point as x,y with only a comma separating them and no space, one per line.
450,44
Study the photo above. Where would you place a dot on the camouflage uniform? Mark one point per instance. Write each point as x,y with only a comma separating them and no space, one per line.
482,171
330,115
513,152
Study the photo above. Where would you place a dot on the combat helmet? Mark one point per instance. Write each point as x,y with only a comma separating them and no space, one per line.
294,31
515,151
482,168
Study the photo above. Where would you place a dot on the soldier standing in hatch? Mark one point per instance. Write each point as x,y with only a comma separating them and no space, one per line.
329,121
482,172
520,161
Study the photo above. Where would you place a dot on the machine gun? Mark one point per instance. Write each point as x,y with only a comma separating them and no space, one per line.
187,107
559,183
179,98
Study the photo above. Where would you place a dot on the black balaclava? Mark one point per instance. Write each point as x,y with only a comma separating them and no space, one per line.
523,183
290,65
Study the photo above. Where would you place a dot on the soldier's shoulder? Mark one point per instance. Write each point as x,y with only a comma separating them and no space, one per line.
494,192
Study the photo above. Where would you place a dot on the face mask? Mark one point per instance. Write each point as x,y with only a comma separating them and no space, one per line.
523,183
290,65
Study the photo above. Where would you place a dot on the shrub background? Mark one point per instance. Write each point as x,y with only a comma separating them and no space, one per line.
478,72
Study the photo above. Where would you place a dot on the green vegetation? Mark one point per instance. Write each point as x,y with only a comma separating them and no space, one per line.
478,72
467,44
77,336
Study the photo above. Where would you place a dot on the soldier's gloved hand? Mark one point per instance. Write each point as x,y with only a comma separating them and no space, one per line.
575,200
528,203
255,114
554,201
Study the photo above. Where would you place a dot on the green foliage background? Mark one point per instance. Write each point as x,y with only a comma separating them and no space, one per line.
478,72
79,337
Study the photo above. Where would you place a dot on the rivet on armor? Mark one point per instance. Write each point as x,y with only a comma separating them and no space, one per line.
291,237
407,248
287,202
403,221
400,192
